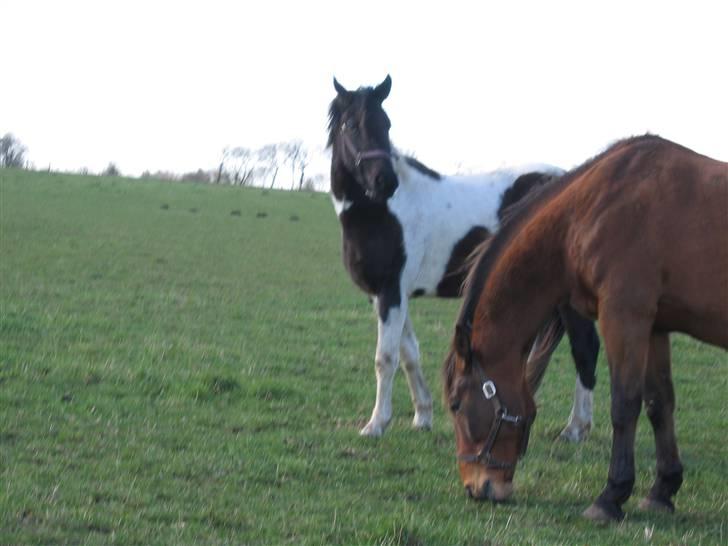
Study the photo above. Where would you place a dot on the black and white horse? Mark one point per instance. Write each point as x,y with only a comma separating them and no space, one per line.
407,231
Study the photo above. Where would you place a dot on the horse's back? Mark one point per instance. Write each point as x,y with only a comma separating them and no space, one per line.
654,225
443,219
695,247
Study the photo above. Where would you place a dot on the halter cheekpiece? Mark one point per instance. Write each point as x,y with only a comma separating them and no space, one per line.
485,456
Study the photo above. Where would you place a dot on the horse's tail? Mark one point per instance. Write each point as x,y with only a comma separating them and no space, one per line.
543,347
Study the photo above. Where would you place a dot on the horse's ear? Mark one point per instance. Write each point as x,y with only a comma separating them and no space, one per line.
461,343
382,90
340,89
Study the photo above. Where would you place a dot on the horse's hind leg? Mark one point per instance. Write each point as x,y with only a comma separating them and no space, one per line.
584,343
391,321
659,398
410,362
580,419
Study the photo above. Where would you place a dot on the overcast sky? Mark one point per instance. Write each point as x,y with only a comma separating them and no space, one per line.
476,85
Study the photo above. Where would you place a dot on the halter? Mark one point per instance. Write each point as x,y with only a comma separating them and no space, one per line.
484,456
376,153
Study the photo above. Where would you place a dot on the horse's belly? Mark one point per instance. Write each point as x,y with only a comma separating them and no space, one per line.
708,325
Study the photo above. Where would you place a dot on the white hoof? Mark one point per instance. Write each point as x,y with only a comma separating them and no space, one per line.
373,429
575,433
422,421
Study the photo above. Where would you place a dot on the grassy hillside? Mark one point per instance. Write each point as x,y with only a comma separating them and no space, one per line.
188,364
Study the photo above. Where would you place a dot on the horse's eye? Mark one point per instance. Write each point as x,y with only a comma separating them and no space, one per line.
455,406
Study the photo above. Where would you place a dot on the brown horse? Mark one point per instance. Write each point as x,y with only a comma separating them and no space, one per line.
636,238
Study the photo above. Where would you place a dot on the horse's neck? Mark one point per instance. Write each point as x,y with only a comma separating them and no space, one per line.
525,287
411,182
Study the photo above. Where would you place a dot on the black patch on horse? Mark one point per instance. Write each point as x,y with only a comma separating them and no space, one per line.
457,266
422,168
523,184
373,252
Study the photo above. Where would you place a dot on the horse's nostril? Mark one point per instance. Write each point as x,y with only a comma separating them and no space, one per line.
480,494
485,493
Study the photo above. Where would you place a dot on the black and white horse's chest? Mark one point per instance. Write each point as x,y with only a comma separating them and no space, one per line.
373,247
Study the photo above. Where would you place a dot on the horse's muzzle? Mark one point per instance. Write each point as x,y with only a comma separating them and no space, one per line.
382,188
491,491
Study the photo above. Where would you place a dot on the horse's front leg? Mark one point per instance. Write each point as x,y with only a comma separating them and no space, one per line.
421,398
626,339
391,316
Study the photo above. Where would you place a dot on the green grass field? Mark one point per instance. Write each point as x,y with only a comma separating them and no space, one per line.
186,364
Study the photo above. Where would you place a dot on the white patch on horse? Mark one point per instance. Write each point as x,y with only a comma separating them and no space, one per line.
386,358
340,205
410,362
580,420
436,214
392,345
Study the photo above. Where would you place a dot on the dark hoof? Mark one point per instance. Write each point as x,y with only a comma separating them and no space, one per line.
599,513
655,505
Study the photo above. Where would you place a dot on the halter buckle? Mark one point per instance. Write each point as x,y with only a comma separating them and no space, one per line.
488,389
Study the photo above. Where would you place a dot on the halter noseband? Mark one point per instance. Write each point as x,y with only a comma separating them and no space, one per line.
485,456
376,153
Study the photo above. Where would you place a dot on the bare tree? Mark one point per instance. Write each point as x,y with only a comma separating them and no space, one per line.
237,166
12,152
302,160
243,166
221,172
291,151
269,157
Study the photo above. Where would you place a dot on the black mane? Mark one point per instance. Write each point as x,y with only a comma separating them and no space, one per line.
514,218
422,168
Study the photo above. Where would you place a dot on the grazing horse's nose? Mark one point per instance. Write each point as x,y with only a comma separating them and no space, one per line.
481,494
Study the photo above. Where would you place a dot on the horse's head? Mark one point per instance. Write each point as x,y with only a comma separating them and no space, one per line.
492,410
359,138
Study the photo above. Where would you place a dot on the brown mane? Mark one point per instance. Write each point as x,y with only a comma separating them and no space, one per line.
488,252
